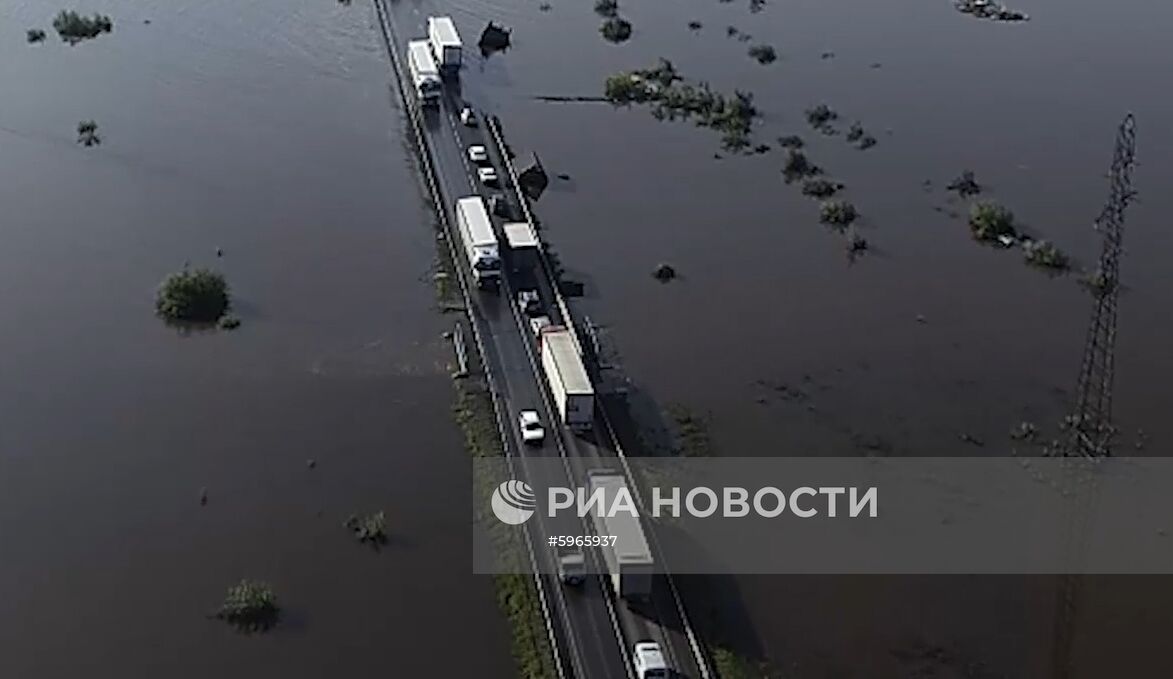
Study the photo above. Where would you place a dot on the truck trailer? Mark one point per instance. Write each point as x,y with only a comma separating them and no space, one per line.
479,240
629,560
574,397
446,45
425,77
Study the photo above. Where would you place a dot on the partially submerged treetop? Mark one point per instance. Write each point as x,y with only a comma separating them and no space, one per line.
193,296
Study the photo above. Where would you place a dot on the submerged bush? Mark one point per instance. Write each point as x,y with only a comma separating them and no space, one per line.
616,29
792,141
837,213
990,221
855,132
370,529
764,54
193,296
821,115
35,35
797,166
1045,255
607,8
965,185
820,188
250,607
73,28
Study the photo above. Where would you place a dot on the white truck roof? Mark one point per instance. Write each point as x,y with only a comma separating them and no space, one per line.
443,30
480,228
421,54
520,235
631,547
567,361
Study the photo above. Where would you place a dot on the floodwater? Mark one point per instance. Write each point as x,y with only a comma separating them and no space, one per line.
267,130
791,350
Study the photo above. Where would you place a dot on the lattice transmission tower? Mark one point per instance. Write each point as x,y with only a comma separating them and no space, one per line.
1089,425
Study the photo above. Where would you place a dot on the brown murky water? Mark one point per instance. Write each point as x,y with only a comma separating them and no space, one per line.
268,131
792,351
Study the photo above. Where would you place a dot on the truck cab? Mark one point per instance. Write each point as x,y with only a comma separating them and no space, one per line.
571,565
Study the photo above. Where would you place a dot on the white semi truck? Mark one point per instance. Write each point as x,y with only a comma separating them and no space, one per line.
574,397
629,561
446,46
425,77
479,240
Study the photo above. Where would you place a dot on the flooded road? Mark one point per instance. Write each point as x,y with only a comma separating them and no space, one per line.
928,341
267,131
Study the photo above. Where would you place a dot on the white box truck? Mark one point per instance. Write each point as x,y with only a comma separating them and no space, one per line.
446,46
574,397
629,560
480,241
425,77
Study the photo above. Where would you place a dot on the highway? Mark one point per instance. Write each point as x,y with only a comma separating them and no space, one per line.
594,631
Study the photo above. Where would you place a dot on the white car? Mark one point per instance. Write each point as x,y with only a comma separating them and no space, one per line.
529,302
478,154
649,661
487,175
531,427
467,117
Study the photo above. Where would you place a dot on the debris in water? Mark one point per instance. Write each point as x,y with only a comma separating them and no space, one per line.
731,31
694,25
544,7
664,273
965,185
494,38
855,132
987,9
563,176
971,439
876,64
756,6
761,148
534,180
856,244
866,142
1025,431
203,496
311,463
827,55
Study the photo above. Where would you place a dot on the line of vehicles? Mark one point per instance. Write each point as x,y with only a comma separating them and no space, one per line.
629,561
431,59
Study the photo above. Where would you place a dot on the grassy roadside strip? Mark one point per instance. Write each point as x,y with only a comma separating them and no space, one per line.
516,594
729,665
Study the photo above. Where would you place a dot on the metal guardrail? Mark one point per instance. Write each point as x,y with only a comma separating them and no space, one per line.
429,172
494,127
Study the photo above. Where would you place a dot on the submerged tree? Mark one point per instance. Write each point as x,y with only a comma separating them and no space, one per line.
797,166
837,213
87,133
820,116
990,221
193,296
616,29
765,54
250,607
